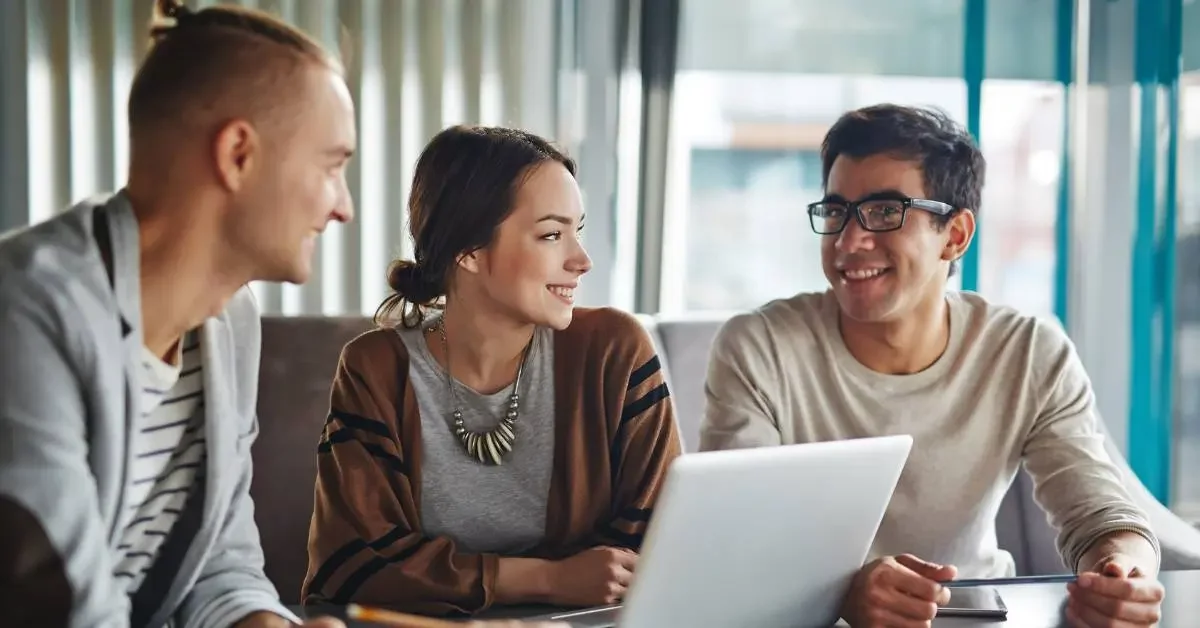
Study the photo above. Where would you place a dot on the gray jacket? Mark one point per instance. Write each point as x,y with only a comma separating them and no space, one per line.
70,338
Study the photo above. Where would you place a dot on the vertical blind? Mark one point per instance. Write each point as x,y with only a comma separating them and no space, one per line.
414,67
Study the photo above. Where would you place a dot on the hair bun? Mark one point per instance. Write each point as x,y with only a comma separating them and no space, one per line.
173,9
409,281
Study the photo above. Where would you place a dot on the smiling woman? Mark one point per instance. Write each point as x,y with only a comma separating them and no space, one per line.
461,430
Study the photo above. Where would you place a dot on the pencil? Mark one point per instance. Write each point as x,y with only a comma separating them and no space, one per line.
999,582
397,620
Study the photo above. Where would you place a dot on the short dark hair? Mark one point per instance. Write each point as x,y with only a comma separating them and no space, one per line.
464,186
950,160
198,59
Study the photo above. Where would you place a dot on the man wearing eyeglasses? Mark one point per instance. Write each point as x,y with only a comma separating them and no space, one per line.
982,388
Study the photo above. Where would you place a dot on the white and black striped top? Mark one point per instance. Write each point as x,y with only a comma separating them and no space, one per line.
168,453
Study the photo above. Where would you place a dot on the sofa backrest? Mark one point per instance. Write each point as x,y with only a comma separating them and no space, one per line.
299,356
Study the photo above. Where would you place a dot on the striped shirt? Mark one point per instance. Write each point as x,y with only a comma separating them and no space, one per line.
168,453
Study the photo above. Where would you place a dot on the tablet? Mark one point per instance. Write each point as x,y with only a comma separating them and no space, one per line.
983,602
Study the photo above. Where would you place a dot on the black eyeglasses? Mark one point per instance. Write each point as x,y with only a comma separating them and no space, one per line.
874,214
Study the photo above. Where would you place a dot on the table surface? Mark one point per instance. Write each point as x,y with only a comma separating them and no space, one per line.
1029,605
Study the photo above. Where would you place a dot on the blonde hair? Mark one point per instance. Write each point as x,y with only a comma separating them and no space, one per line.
227,60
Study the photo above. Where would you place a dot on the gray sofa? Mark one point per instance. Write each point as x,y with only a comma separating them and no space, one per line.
300,356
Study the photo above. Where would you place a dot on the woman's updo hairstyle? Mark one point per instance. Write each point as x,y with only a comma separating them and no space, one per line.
463,188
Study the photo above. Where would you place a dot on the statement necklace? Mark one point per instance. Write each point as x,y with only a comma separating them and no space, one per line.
488,447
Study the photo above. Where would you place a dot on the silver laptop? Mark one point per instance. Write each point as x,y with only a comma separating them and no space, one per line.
764,537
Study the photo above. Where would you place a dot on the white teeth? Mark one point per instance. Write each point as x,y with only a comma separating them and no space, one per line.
863,274
566,293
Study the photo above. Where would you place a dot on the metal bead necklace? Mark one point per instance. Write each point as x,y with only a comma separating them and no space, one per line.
488,447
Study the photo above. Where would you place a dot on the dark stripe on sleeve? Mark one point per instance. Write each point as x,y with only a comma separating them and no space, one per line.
623,539
338,437
647,401
346,552
344,435
635,514
643,372
632,410
357,422
355,581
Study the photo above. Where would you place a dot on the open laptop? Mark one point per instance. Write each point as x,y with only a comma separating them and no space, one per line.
764,537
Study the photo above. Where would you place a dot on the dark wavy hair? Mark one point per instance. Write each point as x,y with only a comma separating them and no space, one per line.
464,186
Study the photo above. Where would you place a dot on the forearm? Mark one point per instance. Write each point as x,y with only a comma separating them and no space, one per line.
523,580
1126,543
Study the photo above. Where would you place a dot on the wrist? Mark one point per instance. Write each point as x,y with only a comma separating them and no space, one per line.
850,603
1132,546
524,580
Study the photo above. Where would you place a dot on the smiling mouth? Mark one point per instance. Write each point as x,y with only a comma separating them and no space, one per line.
863,274
565,293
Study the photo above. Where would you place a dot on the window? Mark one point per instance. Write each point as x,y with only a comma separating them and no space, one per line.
1186,481
758,84
1021,134
755,92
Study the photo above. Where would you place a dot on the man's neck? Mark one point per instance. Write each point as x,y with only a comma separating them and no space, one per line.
183,281
485,350
902,347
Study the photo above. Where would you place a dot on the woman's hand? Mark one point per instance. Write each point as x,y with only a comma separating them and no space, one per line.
594,577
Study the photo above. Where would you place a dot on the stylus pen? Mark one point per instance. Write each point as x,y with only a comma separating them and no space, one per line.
999,582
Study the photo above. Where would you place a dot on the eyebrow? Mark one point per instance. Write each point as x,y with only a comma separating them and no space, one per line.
878,194
561,218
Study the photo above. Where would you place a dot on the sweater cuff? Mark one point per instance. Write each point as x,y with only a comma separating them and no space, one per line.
1141,531
235,607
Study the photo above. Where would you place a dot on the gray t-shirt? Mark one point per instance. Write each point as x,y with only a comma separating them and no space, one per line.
484,508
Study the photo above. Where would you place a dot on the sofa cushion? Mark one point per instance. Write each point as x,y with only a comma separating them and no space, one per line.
299,356
686,343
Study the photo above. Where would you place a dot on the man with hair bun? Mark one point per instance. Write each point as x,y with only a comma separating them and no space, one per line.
131,340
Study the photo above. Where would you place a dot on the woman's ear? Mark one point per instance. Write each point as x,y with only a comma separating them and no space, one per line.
472,261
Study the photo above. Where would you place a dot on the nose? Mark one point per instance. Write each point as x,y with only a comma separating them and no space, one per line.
579,261
854,238
344,211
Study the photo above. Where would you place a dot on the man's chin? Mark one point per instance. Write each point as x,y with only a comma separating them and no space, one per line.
297,276
862,310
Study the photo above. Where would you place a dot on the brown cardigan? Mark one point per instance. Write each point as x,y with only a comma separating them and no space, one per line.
614,440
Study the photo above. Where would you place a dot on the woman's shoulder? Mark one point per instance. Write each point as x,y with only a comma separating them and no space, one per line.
377,347
606,329
596,319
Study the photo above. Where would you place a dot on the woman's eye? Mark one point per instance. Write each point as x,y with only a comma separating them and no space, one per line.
555,236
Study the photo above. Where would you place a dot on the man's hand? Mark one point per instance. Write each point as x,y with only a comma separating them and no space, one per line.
271,620
593,577
897,592
1114,593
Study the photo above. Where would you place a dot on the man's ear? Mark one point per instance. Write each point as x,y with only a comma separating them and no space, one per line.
961,231
236,153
